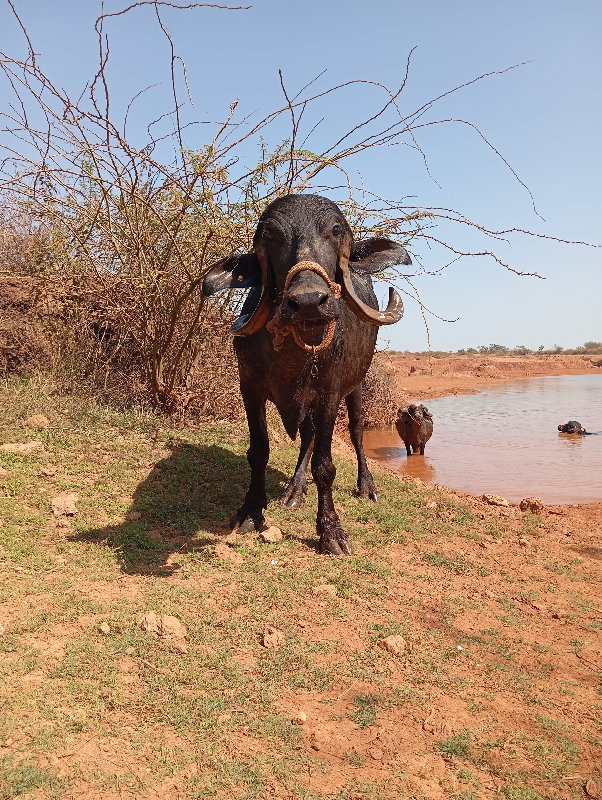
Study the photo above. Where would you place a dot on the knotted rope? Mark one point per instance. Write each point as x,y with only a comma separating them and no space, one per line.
281,329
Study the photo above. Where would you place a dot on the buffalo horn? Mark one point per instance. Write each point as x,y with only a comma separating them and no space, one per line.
393,312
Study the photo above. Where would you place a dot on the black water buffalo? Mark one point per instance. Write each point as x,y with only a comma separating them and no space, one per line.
304,340
415,427
572,426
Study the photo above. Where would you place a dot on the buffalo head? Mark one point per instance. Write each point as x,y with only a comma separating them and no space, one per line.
302,268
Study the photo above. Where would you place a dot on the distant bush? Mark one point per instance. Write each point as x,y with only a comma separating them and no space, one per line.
589,348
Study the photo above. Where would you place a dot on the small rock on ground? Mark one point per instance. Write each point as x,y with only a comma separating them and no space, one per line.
64,504
23,449
533,504
104,627
271,535
300,718
273,638
37,421
591,788
393,644
164,626
47,472
495,500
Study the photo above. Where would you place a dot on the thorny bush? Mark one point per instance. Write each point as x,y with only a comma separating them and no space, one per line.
121,232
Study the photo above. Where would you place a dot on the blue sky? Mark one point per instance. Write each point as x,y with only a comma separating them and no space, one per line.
544,117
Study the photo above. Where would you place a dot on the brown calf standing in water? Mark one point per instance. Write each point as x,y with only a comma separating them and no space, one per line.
415,426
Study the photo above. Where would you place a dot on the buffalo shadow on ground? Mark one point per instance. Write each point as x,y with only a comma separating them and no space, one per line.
197,488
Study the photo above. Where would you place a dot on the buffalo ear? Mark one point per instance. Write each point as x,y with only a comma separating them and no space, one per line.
234,272
377,254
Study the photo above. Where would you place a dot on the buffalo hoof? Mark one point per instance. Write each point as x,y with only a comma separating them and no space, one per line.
367,491
293,497
335,546
247,523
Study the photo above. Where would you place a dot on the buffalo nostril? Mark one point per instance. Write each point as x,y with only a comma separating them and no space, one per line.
323,299
293,304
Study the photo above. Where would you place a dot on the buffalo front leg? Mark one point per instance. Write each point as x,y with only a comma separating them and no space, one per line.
333,539
295,492
365,481
250,515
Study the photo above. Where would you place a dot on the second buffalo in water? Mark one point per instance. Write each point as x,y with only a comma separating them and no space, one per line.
415,426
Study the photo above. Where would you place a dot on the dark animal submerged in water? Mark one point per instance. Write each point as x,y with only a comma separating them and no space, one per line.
572,426
415,426
304,340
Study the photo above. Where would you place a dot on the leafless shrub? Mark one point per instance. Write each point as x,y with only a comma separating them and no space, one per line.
128,232
380,401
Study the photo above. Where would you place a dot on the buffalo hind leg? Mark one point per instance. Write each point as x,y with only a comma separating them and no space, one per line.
295,492
250,515
333,539
365,481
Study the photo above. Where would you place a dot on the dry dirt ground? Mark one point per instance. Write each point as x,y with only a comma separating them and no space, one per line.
492,687
422,376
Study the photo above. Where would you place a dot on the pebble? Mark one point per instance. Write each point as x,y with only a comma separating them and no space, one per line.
495,500
164,626
271,535
393,644
64,504
533,504
591,788
523,542
300,718
47,472
273,638
104,627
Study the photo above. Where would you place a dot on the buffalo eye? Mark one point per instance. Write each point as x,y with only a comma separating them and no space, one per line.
337,230
269,233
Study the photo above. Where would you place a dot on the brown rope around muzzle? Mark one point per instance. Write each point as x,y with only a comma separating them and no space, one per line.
281,330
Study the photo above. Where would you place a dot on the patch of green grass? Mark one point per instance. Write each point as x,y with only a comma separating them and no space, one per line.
558,568
518,791
23,778
366,707
458,564
457,745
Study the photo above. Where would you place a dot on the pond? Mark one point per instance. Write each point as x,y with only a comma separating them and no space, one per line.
505,441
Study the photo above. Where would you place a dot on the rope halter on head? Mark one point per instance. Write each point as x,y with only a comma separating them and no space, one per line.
281,330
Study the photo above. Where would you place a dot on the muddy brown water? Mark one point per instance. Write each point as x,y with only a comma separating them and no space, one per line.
505,441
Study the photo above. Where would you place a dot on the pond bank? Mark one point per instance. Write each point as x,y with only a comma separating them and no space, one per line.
423,377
